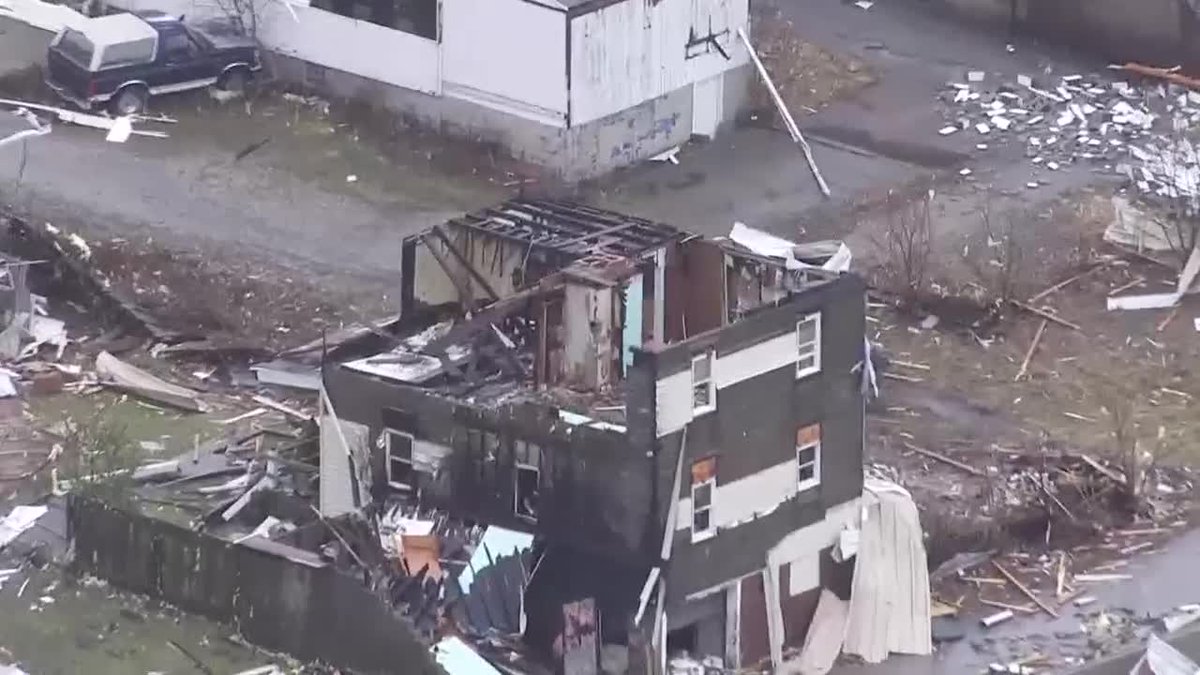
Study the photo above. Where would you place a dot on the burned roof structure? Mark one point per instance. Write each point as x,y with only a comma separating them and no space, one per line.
547,364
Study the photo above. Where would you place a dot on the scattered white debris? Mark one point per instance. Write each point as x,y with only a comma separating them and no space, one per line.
982,128
18,520
120,131
864,4
671,156
352,178
964,172
976,76
946,131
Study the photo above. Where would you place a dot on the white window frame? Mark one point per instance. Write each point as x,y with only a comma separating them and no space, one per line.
518,466
807,349
805,484
412,444
711,357
711,530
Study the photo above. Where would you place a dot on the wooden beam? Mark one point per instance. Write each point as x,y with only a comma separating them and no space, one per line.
464,294
441,234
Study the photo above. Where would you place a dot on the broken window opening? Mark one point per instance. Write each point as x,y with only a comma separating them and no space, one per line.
704,393
418,17
526,479
808,456
704,485
400,472
808,345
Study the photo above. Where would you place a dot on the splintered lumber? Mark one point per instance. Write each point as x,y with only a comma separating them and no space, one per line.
1062,575
1037,337
1065,282
1025,590
1045,315
1162,325
1024,609
1107,472
989,621
945,460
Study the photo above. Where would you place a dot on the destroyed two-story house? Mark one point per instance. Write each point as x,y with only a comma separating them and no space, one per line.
678,420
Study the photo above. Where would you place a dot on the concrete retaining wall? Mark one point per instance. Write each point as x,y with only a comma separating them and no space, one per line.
310,613
1160,32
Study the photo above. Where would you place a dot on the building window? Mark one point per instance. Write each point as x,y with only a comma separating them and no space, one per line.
704,393
704,486
399,446
808,345
526,479
808,456
418,17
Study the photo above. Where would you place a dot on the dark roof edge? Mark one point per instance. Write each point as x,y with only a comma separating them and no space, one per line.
580,7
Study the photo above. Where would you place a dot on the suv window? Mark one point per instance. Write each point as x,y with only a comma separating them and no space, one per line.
76,47
128,53
178,46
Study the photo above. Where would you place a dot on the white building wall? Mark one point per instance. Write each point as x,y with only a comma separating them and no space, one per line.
636,50
359,47
509,55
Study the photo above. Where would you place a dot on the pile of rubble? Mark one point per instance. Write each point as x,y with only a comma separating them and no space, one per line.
1073,119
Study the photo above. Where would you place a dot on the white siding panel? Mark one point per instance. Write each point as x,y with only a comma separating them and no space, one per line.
755,360
508,55
673,402
358,47
636,50
746,498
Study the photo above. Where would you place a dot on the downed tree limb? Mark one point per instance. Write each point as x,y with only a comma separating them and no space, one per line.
1168,74
1049,316
1025,590
1037,337
945,460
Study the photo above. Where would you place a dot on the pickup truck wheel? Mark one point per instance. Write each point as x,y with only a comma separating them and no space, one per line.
235,80
130,101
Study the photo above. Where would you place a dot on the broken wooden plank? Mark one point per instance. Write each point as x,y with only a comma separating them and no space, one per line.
1061,579
462,260
244,416
1024,609
998,617
1100,578
901,378
115,373
1127,286
1037,337
1109,473
945,460
1162,325
1025,590
1066,282
909,364
1050,316
286,410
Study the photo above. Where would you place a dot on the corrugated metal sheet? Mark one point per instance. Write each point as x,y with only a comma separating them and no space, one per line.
638,50
487,58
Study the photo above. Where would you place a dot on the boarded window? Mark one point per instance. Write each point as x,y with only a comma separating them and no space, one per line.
399,447
808,345
808,456
704,485
704,394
